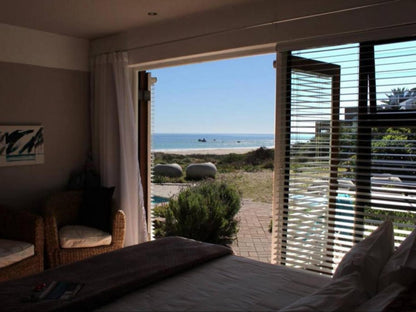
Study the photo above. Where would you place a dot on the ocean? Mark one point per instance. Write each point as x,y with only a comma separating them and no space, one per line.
174,141
192,141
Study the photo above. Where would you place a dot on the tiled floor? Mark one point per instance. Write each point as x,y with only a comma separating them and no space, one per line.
253,239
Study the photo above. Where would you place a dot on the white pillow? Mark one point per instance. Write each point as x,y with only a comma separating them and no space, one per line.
401,267
383,299
12,251
79,236
369,256
342,294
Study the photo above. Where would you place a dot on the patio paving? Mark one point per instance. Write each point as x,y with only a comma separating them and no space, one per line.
253,239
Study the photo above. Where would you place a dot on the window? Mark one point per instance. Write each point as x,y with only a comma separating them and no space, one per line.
348,154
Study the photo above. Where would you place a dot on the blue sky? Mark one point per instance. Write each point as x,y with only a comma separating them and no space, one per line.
238,95
228,96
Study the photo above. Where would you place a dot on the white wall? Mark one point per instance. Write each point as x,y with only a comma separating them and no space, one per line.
33,47
262,24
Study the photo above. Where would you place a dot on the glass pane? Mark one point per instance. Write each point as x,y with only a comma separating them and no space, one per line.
309,169
321,186
396,76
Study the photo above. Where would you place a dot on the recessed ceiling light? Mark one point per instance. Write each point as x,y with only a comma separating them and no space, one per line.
152,13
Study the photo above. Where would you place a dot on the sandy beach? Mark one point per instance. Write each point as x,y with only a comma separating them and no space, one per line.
207,151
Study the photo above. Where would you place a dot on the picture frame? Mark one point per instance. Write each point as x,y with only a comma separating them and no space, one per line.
21,145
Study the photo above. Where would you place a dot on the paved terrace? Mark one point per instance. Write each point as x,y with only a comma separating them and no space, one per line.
253,239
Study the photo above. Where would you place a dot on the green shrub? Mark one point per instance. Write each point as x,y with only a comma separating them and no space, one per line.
159,179
260,156
205,212
269,165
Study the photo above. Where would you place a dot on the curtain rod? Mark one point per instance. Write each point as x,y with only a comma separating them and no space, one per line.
254,26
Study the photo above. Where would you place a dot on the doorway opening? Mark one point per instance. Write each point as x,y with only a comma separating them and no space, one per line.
219,113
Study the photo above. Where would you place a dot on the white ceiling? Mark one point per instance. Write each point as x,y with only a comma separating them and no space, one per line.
92,19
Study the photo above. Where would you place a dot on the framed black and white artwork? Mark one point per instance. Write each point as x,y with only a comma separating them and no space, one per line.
21,145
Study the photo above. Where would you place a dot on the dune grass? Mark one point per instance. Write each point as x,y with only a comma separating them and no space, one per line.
251,173
261,158
257,185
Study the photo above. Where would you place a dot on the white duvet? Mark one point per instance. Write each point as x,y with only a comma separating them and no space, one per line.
229,283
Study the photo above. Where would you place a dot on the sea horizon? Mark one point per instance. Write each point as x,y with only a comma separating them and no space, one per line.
198,141
211,141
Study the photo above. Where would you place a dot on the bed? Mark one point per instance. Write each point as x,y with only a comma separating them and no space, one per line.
228,283
170,274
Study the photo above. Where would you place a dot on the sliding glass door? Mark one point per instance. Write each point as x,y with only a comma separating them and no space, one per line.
348,147
314,98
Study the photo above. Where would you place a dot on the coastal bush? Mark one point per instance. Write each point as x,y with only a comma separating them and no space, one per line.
260,156
231,161
254,161
165,158
161,179
205,212
268,165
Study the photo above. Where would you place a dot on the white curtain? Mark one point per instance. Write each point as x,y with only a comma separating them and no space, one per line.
114,139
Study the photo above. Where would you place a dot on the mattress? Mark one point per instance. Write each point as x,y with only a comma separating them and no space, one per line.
230,283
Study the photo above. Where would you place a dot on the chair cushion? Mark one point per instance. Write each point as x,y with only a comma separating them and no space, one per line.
12,251
79,236
96,208
368,257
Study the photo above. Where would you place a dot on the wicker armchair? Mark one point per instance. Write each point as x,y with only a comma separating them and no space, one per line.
26,227
62,209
